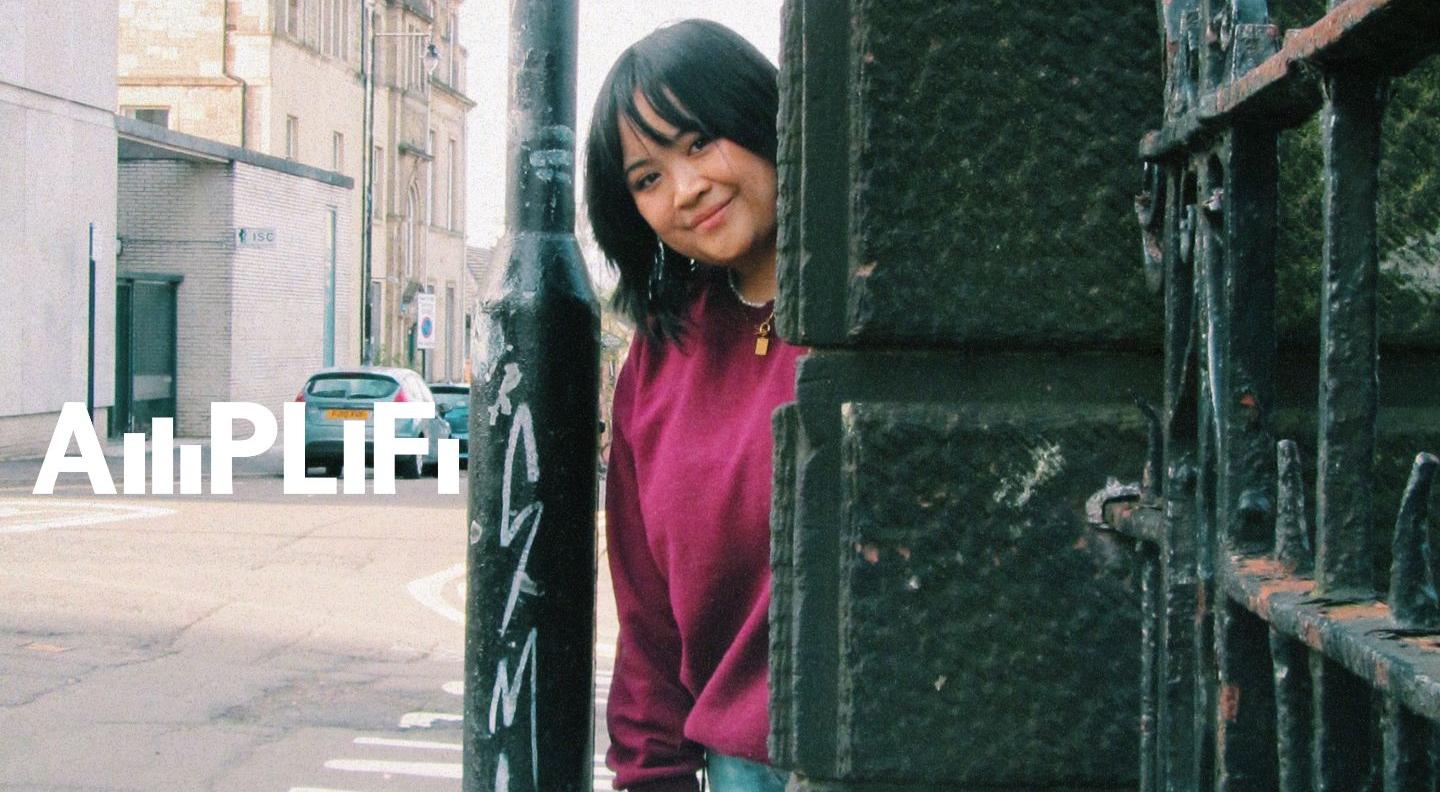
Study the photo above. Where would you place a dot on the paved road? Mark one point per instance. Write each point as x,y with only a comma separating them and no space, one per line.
253,642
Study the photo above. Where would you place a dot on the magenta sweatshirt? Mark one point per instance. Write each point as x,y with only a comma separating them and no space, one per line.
688,527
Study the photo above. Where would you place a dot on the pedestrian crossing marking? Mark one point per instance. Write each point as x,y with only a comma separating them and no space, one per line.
424,720
422,744
421,769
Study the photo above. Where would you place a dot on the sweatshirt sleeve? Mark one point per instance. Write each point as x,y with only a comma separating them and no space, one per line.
648,704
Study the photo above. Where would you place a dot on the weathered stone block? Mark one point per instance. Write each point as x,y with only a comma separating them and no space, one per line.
984,160
978,608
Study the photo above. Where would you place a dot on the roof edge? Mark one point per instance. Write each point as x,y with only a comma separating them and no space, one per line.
180,142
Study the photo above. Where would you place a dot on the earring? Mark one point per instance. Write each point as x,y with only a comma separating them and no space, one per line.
657,270
693,265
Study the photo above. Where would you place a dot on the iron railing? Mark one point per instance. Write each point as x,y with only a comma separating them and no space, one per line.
1268,665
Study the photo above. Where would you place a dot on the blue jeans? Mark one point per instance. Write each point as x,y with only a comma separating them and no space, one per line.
732,774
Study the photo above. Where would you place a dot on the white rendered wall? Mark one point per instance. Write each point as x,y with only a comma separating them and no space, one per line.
57,176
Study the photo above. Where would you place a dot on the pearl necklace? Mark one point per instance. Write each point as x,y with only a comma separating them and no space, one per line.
734,288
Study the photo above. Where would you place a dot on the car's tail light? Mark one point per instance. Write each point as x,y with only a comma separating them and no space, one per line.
300,397
400,395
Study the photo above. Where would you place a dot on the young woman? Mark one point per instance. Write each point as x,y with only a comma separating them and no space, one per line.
680,166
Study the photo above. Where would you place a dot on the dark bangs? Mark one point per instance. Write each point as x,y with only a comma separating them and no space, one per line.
699,76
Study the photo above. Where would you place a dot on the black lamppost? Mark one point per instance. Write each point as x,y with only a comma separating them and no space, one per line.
530,595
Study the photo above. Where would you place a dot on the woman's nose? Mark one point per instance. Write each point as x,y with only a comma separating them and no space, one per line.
690,184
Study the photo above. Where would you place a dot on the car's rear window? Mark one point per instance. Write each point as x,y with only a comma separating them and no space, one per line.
351,386
451,399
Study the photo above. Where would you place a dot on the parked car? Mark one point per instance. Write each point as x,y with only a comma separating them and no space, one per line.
452,400
335,395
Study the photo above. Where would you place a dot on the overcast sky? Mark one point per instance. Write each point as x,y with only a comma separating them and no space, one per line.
607,27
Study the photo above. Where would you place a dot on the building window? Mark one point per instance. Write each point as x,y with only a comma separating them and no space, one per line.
160,116
432,210
292,18
415,63
377,315
292,137
452,187
407,235
452,62
349,12
337,153
321,31
450,324
378,187
331,236
312,24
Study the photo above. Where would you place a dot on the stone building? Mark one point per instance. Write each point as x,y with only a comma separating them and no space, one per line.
57,214
287,78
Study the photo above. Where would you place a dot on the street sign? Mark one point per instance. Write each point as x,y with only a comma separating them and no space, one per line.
255,237
424,321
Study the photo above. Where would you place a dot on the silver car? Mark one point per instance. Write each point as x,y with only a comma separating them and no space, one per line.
336,395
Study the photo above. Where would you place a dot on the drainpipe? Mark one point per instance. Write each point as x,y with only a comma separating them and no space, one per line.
90,342
227,63
367,178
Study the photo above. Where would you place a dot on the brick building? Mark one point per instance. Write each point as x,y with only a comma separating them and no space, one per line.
287,78
228,276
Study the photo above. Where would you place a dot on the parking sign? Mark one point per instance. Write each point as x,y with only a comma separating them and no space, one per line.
424,321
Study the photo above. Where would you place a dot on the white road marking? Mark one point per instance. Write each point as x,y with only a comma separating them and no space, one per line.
427,590
43,514
422,744
423,769
424,720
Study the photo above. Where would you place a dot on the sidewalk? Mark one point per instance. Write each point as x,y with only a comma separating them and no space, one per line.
23,472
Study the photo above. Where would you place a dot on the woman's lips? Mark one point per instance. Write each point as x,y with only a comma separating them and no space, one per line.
713,218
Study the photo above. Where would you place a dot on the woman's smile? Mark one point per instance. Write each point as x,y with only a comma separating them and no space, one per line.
711,218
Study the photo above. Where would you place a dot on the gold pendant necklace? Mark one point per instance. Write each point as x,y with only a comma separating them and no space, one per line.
762,335
762,332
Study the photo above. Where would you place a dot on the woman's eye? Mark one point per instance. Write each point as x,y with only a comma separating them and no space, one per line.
644,181
699,144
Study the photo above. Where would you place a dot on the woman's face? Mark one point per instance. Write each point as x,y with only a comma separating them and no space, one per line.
710,200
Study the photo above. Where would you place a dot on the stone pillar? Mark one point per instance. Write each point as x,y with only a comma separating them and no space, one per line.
959,249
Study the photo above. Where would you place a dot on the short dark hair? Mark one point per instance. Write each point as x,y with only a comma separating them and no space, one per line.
699,76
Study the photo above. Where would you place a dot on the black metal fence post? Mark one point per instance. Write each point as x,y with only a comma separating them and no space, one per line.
530,627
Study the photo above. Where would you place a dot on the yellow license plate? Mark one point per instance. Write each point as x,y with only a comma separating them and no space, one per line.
347,415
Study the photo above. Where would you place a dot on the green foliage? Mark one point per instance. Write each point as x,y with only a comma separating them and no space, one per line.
1408,217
